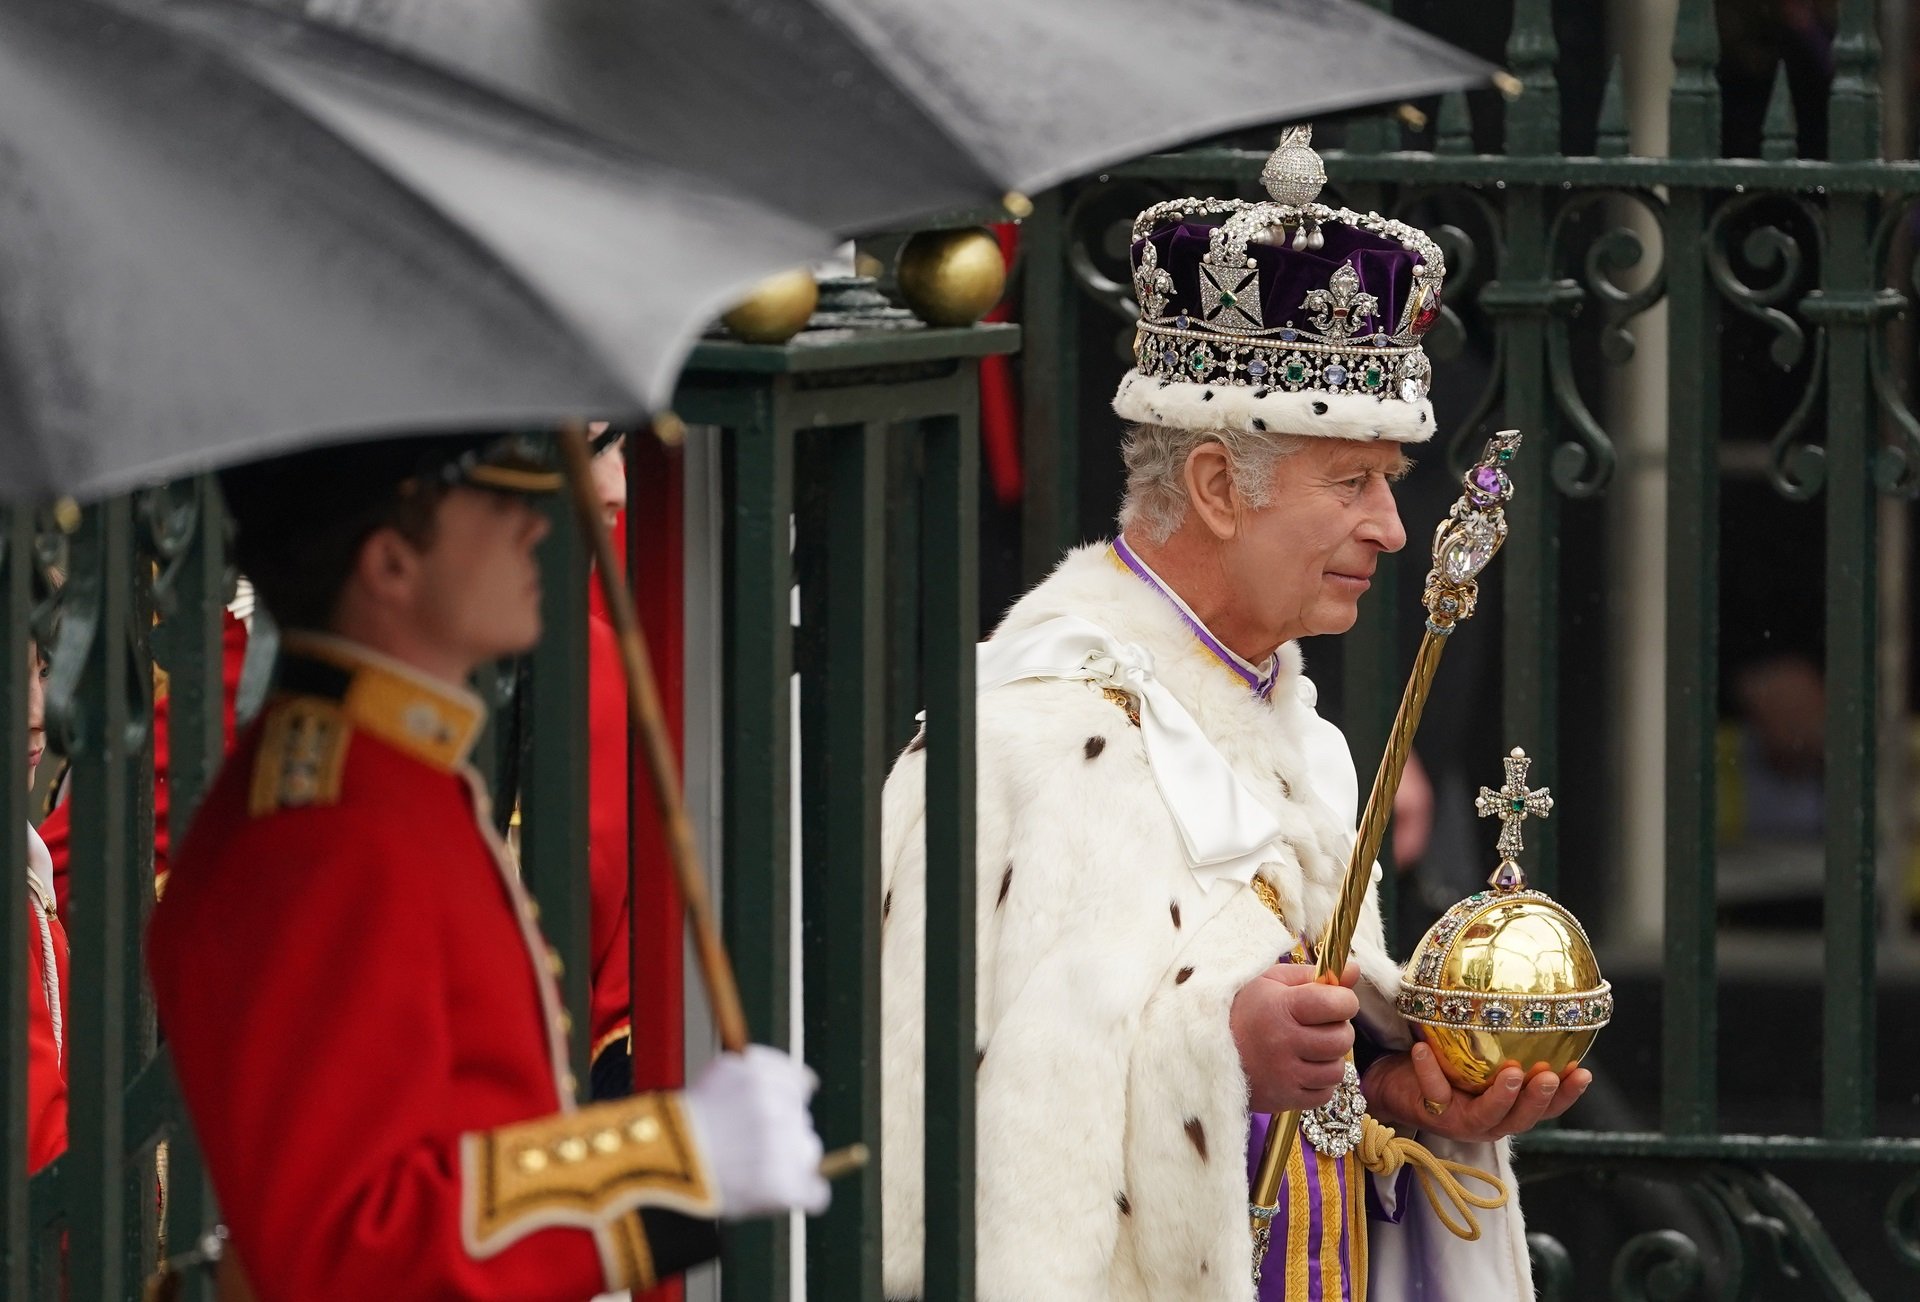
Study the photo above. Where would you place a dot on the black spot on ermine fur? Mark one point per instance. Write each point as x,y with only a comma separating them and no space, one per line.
1286,788
1094,746
979,1057
1180,977
1319,408
1006,884
886,906
1206,395
1198,1134
1260,393
1126,1207
1173,907
1260,425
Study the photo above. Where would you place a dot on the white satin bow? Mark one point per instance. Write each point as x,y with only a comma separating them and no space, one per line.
1225,831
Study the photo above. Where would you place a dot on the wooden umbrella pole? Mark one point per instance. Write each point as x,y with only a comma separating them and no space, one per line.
1462,545
663,770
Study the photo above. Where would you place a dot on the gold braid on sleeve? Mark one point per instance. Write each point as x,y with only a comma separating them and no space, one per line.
586,1169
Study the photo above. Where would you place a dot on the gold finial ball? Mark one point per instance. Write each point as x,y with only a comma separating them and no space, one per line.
1505,978
777,309
951,278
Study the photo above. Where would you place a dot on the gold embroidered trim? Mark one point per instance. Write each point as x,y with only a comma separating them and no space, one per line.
613,1037
633,1255
435,722
583,1167
1263,889
1125,701
303,751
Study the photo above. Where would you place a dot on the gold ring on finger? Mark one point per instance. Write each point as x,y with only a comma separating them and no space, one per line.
1433,1107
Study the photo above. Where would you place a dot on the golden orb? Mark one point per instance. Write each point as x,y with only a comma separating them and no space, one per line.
951,278
777,309
1506,977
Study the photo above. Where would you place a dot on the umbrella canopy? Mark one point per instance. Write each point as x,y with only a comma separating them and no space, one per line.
226,233
859,115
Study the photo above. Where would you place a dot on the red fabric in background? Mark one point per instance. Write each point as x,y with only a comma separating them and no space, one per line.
656,558
1000,396
57,828
46,1074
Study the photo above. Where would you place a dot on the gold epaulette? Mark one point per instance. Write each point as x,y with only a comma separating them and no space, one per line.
589,1169
303,751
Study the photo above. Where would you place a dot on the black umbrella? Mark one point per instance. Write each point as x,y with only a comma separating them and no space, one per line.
224,233
863,114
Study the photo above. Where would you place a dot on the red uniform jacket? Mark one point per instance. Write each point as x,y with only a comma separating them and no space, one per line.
365,1027
46,1016
607,836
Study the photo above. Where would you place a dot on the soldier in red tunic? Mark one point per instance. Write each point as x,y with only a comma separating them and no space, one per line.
361,1011
47,966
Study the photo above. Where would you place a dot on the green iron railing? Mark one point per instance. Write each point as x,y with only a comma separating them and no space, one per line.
1556,260
850,468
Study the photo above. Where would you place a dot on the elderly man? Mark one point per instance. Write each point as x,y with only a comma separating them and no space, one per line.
1164,821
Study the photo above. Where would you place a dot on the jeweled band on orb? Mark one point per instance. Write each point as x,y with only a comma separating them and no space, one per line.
1464,1010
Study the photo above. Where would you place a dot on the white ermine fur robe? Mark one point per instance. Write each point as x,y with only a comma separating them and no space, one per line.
1112,1109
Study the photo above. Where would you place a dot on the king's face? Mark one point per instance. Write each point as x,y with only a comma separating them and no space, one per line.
1303,561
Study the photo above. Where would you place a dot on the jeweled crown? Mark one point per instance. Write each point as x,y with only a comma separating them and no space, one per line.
1288,315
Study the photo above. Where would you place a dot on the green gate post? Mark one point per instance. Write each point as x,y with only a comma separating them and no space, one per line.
950,552
1851,307
553,800
1689,999
1050,396
16,564
106,736
841,538
1522,300
187,527
832,402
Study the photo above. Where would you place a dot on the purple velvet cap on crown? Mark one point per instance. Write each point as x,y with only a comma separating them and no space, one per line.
1282,317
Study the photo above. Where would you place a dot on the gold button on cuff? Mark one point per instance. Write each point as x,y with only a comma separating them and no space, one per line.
606,1141
532,1159
643,1130
555,965
571,1149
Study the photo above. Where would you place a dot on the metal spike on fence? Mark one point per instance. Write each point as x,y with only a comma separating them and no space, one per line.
1779,134
1613,137
1455,132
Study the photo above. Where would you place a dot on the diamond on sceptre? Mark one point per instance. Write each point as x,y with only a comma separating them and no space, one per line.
1512,804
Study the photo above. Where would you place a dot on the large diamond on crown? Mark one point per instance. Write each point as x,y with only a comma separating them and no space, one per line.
1338,310
1230,296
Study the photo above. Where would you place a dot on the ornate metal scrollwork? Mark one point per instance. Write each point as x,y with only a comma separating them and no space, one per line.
1584,467
1659,1266
1897,468
1903,1221
1755,1227
1552,1268
1465,251
1796,470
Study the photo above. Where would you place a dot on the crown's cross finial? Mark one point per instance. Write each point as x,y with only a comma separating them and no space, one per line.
1512,804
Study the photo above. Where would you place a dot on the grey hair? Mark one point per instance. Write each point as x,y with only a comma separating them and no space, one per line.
1155,505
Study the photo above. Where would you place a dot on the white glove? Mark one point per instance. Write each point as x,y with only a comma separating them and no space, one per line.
750,1118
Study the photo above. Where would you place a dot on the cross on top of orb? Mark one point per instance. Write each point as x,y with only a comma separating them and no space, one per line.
1513,804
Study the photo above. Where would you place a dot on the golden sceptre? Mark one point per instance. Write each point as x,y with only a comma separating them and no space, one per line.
1463,544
